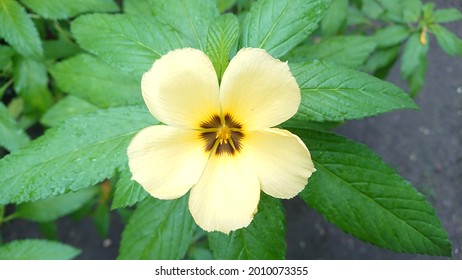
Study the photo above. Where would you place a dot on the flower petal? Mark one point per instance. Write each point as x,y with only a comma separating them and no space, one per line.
282,161
259,90
181,88
227,194
166,161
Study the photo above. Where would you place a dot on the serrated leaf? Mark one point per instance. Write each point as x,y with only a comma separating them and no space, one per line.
31,83
18,30
190,18
68,107
62,9
35,249
5,56
447,40
391,35
279,25
128,42
354,189
11,136
334,93
351,51
447,15
335,17
127,192
50,209
77,154
159,229
96,82
263,239
221,38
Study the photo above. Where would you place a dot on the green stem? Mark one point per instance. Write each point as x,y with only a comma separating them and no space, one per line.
5,86
66,35
9,218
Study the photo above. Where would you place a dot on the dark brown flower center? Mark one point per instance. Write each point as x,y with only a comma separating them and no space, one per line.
222,135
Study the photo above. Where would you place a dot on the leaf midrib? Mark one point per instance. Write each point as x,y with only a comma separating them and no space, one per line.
66,154
321,166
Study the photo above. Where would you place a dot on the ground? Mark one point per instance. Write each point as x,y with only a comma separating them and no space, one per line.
424,146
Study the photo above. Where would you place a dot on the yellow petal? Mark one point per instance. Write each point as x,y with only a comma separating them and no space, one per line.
181,88
282,161
166,161
258,90
227,194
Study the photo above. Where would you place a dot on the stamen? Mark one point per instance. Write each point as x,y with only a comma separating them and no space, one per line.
222,135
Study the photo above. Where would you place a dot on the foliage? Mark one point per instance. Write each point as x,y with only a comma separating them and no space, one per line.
70,79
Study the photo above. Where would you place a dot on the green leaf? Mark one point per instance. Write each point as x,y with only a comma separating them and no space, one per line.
413,54
263,239
334,93
5,56
414,62
50,209
417,79
335,18
159,229
401,11
354,189
351,51
411,10
35,249
18,30
279,25
447,40
100,84
391,36
31,82
58,49
77,154
222,37
68,107
127,192
49,230
190,18
372,9
224,5
381,61
447,15
11,136
62,9
128,42
138,8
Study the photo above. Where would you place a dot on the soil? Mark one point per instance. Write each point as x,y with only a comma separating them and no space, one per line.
424,146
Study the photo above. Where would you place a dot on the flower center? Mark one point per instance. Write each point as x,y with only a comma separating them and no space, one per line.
222,135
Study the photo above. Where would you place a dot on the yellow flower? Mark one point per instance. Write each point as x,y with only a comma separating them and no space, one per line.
218,141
